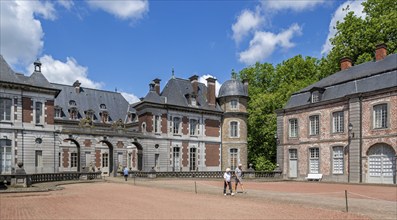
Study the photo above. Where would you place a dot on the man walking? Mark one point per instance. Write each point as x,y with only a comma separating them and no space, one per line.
125,171
239,175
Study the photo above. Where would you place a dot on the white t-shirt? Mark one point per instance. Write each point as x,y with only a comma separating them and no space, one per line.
227,176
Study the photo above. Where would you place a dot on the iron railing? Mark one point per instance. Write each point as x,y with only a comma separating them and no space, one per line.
203,174
51,177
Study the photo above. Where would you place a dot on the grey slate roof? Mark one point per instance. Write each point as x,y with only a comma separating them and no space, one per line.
232,87
175,92
366,77
91,99
37,79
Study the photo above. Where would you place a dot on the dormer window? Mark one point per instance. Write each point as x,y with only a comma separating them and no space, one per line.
234,104
73,113
58,112
316,94
193,100
89,114
105,117
102,106
72,103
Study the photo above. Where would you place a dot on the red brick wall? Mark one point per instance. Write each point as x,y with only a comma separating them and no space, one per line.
148,118
164,123
65,158
185,124
87,143
212,128
212,154
49,119
185,153
27,111
98,158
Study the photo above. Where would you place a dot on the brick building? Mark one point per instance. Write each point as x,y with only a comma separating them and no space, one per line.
68,128
343,126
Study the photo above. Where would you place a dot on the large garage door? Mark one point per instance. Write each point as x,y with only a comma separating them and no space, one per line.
382,166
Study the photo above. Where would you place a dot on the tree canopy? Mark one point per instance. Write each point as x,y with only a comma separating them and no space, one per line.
271,86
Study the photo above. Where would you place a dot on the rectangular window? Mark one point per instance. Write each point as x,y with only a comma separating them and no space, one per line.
73,160
192,161
337,160
380,116
233,129
233,158
105,160
314,160
73,114
5,109
194,127
315,97
338,122
293,128
39,112
176,125
233,104
58,113
5,159
314,124
39,158
59,159
157,124
176,159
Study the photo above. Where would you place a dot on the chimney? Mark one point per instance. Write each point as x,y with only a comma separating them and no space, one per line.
211,91
245,83
380,52
345,63
151,86
194,82
157,85
76,86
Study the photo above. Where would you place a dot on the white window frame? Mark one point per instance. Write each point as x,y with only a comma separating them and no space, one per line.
38,116
314,160
176,125
315,97
105,159
192,158
314,125
73,116
293,128
157,123
234,105
233,158
194,127
4,109
234,131
57,112
73,159
337,160
176,158
380,119
338,122
6,158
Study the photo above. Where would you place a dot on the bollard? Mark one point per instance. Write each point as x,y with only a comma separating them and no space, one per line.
195,187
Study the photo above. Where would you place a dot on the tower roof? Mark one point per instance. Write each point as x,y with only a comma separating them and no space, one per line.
233,87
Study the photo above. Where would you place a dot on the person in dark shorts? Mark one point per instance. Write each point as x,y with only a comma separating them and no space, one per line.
125,171
238,173
227,176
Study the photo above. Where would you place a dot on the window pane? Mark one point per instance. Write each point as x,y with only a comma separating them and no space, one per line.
337,160
314,160
233,158
380,116
5,109
192,159
314,125
233,129
293,127
338,122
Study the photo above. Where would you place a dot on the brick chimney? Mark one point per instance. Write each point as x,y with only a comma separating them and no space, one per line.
194,82
380,52
157,85
211,91
76,86
345,63
245,83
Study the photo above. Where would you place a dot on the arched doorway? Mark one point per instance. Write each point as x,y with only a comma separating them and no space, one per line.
139,155
74,157
381,164
107,165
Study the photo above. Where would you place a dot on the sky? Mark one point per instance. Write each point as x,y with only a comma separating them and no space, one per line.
122,45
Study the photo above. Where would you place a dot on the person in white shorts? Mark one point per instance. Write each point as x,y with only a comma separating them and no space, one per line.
226,181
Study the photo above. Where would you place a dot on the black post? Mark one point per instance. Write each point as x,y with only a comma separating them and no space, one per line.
195,187
347,207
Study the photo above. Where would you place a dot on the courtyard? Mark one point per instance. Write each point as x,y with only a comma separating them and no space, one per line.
202,199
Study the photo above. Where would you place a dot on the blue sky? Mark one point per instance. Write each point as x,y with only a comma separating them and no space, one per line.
126,44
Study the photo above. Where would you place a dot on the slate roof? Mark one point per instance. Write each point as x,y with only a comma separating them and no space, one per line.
232,87
175,92
366,77
91,99
37,79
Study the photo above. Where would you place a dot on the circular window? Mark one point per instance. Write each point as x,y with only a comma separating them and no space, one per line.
38,140
156,146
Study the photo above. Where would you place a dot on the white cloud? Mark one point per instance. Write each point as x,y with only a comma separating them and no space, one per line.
203,79
123,9
339,15
264,43
67,72
295,5
131,98
21,33
68,4
246,22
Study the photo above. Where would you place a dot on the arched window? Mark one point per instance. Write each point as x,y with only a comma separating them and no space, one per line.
102,106
72,103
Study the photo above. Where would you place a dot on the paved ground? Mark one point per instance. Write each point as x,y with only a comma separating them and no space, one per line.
176,199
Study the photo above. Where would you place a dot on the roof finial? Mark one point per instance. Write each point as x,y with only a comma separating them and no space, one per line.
234,74
173,75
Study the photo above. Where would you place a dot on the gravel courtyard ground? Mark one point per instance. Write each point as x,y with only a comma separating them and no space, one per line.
176,199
